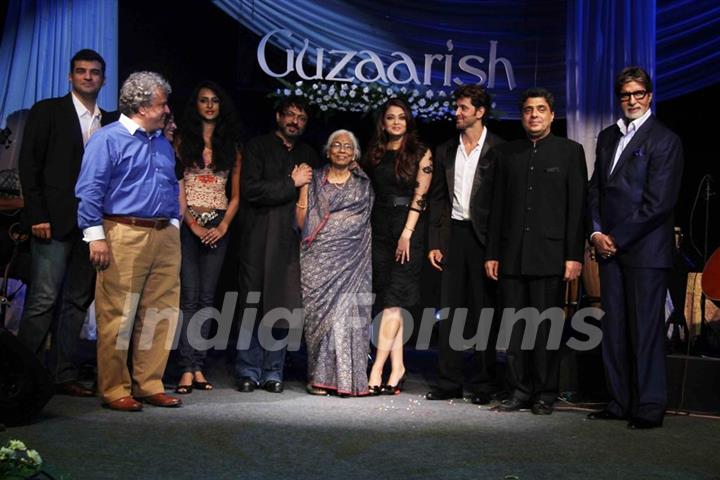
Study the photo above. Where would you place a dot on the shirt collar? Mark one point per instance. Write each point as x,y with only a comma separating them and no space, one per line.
480,141
637,123
132,126
81,110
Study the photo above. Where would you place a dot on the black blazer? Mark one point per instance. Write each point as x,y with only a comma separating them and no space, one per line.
538,210
49,164
443,185
270,247
635,203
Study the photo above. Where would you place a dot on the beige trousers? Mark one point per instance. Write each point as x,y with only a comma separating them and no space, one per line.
137,303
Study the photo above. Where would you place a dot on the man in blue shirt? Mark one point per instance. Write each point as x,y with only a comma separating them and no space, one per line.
129,213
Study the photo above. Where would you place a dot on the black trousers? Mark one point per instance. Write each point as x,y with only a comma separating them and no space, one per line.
633,342
465,286
533,374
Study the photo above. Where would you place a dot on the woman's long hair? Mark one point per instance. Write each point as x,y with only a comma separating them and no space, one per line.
411,149
224,138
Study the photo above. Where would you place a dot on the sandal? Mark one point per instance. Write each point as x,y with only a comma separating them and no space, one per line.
202,385
183,389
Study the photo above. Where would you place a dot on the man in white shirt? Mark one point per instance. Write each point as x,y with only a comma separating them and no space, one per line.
460,198
632,194
62,279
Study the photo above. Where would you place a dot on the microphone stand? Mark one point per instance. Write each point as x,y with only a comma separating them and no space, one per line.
703,324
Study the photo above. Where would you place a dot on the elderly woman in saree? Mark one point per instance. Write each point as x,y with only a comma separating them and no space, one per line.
333,212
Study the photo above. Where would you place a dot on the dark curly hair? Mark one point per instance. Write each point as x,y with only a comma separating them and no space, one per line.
411,149
225,137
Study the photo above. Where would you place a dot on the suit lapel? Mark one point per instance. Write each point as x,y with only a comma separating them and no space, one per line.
477,179
450,155
608,153
74,124
637,140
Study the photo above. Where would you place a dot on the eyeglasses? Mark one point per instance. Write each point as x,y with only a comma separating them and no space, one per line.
342,146
637,95
292,115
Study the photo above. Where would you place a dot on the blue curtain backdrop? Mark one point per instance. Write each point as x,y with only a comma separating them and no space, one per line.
602,38
40,37
688,46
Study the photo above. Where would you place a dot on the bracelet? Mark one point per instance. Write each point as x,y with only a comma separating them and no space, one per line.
415,209
410,229
297,204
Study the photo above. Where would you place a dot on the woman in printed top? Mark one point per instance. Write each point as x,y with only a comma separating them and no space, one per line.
400,168
208,158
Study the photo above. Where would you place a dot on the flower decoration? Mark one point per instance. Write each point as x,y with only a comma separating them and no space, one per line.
426,104
18,461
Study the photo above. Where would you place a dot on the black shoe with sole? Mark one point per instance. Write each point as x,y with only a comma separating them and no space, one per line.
437,394
642,424
481,398
541,407
603,415
273,386
246,385
511,404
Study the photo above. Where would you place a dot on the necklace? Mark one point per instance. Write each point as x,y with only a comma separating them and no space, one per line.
337,183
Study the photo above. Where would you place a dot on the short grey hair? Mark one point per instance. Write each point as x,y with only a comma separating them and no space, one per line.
353,139
138,90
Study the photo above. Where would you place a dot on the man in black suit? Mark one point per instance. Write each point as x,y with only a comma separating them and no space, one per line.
62,278
536,243
460,198
633,191
275,165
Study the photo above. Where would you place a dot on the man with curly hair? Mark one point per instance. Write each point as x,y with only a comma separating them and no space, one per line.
130,216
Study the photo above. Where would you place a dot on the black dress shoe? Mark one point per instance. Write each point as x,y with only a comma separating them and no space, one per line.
437,394
246,384
642,424
603,415
541,407
481,398
511,404
273,386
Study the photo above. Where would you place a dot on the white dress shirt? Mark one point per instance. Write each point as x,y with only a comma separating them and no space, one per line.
465,166
89,122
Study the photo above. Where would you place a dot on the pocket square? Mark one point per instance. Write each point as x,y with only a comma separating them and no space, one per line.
552,170
638,153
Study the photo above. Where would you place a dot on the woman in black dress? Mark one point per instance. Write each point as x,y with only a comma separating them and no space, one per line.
400,168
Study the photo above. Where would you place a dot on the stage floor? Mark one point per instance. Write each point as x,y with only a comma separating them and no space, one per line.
227,434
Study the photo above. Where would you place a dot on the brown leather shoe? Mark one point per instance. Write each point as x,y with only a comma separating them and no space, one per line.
162,400
74,389
124,404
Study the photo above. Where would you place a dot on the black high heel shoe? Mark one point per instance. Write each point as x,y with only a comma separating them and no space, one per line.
393,389
374,390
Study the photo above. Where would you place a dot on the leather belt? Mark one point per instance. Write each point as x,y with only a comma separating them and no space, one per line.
393,201
156,223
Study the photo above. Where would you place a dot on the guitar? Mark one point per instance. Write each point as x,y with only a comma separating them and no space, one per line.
711,277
